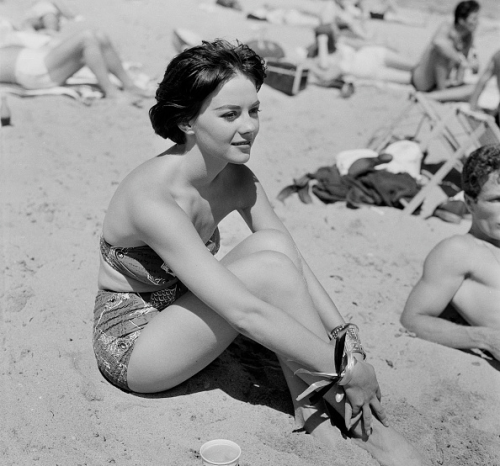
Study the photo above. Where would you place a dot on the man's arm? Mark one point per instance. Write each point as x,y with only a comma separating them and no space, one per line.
444,44
445,269
486,75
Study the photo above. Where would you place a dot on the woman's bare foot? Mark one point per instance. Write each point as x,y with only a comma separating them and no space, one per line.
387,446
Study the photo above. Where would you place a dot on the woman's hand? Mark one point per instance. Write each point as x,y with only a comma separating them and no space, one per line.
363,395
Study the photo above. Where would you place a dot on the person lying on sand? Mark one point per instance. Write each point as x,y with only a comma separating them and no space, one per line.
59,58
166,308
492,70
335,57
440,70
464,270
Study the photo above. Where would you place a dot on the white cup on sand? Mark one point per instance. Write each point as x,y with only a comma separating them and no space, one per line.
220,452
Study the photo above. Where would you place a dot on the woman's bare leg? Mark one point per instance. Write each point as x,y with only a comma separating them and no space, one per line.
398,62
95,50
115,65
72,54
187,336
453,94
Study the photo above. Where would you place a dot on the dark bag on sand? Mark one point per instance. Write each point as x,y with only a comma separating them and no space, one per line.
286,77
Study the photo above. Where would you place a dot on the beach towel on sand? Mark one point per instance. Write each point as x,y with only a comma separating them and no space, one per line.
376,187
82,86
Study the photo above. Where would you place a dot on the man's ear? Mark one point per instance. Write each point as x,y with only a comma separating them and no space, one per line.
186,127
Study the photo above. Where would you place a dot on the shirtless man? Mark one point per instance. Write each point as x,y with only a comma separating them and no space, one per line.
464,270
448,53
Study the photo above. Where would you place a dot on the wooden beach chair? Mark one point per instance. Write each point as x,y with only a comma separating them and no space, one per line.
450,130
477,129
422,121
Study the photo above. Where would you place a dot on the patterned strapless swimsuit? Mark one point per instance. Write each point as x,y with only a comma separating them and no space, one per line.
120,317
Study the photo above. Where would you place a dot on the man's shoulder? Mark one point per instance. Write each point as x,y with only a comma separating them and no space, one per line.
455,249
458,243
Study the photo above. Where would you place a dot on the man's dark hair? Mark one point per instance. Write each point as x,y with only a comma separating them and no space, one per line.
464,9
478,167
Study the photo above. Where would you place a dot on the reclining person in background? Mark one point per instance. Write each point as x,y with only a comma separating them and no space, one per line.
334,57
464,270
440,69
34,61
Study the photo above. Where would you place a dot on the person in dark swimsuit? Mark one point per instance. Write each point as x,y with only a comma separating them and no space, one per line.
166,307
439,71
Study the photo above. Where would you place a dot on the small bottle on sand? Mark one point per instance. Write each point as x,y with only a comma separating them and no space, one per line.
4,111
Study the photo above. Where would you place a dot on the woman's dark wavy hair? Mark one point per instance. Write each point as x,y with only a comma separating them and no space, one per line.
193,75
464,9
478,167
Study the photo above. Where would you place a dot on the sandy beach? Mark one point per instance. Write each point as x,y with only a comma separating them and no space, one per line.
60,164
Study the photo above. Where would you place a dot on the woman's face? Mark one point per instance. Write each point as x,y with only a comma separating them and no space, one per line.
228,122
471,22
486,209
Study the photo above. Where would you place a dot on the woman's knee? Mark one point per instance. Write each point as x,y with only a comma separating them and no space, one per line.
102,38
95,37
277,241
270,274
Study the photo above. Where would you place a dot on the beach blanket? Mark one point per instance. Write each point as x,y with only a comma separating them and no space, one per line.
84,93
377,187
82,86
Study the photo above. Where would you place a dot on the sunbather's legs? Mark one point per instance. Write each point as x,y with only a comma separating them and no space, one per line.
398,62
431,73
114,63
70,55
95,50
453,94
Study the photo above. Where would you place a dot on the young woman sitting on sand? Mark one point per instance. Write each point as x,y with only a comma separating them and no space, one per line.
166,308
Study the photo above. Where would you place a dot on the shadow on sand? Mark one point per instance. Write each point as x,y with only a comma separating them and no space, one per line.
246,371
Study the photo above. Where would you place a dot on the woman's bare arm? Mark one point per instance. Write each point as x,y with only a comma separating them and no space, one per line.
261,216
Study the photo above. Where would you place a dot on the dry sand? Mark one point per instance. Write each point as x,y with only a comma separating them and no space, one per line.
61,162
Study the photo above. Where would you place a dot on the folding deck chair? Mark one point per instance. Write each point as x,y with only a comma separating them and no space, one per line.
450,127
